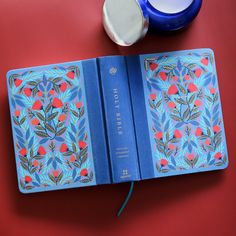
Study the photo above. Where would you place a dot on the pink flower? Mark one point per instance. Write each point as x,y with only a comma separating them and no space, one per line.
28,179
163,75
204,61
72,158
55,173
198,132
57,103
207,142
158,135
192,88
17,113
187,77
198,72
153,96
153,66
171,105
218,156
163,162
82,144
84,172
197,103
177,134
171,146
173,89
175,78
216,129
190,157
212,91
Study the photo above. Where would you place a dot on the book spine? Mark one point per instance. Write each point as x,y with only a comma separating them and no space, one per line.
96,122
119,119
140,117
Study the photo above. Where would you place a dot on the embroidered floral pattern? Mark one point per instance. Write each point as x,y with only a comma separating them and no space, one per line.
185,113
50,126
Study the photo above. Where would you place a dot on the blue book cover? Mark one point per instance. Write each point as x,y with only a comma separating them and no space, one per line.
116,119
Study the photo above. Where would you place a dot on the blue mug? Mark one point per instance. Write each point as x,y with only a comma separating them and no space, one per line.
127,21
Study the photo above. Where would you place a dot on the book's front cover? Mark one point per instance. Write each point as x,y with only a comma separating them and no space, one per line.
50,127
178,105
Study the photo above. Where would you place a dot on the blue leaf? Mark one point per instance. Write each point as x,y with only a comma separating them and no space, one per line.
208,113
18,97
208,76
185,145
60,139
49,86
58,160
154,115
184,71
27,134
44,80
44,140
195,54
31,142
13,103
211,162
18,132
73,96
81,123
193,143
155,81
179,65
180,124
208,157
194,123
157,123
214,80
20,139
72,137
49,161
74,89
41,87
20,103
149,87
206,121
171,167
73,128
215,108
61,68
35,184
156,87
176,72
37,177
190,148
22,145
25,73
77,179
80,94
167,126
207,82
173,161
163,117
81,132
215,120
54,164
74,173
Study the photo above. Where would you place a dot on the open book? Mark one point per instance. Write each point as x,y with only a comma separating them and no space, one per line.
116,119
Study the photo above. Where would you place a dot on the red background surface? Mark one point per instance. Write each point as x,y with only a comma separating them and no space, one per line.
42,32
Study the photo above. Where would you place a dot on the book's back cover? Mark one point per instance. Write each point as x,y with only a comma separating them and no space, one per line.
177,112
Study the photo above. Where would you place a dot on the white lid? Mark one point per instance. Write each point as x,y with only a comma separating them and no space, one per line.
124,21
